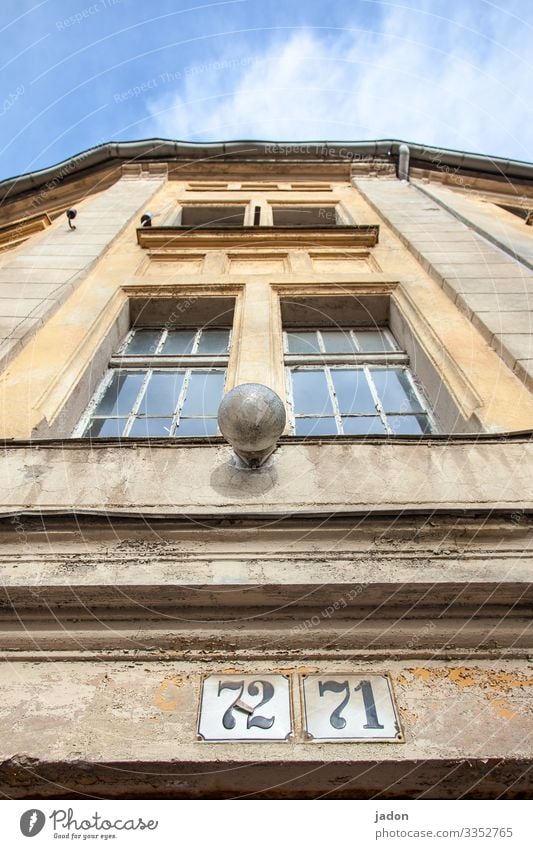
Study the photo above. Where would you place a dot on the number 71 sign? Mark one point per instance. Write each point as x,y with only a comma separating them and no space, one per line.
350,707
336,707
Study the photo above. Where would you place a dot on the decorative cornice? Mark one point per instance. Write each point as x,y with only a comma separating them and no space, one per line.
212,153
235,237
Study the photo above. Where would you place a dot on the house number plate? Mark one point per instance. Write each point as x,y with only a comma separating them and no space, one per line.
245,707
350,707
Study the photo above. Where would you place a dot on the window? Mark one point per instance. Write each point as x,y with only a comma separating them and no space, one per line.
162,382
306,216
352,381
211,216
198,216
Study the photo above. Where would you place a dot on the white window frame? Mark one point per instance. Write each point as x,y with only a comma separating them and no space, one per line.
147,364
395,358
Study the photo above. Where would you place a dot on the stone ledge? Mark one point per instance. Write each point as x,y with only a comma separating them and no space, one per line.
364,477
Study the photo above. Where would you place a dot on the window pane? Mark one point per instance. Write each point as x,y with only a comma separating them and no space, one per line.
204,393
303,342
337,342
197,427
310,392
161,394
121,393
352,390
213,342
395,390
151,427
409,424
105,427
178,342
143,342
373,341
363,425
316,427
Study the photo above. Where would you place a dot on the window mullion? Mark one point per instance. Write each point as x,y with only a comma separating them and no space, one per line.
355,341
425,407
125,342
99,394
196,342
376,399
290,400
137,402
160,344
183,361
388,335
181,401
334,401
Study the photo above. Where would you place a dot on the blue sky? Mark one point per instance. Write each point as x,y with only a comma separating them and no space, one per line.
75,73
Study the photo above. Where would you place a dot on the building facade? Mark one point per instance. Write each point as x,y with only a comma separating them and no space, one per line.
352,618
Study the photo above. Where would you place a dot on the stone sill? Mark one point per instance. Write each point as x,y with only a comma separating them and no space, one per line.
476,473
278,236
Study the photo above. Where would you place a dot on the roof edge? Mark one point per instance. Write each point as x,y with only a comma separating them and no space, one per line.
349,151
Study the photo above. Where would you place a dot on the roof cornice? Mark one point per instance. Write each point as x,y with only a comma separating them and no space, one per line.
422,156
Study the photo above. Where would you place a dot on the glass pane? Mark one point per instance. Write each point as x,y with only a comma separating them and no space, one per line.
178,342
143,342
161,395
121,393
373,341
204,393
197,427
310,391
151,427
409,424
213,342
338,342
315,427
395,390
105,427
303,342
363,425
352,390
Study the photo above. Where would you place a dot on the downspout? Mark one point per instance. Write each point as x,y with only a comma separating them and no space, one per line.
403,162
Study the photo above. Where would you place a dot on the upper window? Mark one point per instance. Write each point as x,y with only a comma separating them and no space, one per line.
306,216
211,216
204,215
352,381
162,382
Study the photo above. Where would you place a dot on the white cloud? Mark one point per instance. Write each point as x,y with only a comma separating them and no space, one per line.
420,77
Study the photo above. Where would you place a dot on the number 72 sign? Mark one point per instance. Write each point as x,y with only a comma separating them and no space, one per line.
258,707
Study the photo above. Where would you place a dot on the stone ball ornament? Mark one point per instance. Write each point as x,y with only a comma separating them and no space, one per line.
252,418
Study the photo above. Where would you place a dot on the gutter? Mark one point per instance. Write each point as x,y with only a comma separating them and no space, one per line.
165,149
